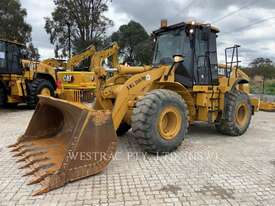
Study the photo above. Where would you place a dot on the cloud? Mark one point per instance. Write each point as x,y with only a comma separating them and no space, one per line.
37,10
256,41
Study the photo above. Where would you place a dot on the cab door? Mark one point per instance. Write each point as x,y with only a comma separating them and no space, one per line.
13,59
205,57
3,62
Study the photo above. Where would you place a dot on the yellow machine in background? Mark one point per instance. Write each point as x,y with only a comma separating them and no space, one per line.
263,104
159,102
267,106
22,80
79,86
72,62
55,63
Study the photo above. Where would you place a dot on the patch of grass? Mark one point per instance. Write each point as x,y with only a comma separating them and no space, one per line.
257,87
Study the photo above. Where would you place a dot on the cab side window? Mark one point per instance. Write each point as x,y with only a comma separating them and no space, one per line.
13,58
2,55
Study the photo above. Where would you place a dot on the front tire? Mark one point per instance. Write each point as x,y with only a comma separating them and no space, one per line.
160,121
39,87
237,114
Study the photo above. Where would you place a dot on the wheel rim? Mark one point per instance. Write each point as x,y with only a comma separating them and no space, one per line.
242,115
45,92
169,123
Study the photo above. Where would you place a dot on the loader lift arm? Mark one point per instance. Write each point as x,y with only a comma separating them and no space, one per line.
74,61
78,58
79,86
99,56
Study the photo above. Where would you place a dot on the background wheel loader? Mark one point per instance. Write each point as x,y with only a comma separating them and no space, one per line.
78,85
66,141
21,80
267,106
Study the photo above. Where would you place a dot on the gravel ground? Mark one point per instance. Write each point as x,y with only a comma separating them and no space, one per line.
208,169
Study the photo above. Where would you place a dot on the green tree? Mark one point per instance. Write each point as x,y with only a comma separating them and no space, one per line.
33,52
262,67
12,22
135,43
84,18
258,62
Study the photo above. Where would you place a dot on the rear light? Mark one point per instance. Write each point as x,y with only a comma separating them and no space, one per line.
58,84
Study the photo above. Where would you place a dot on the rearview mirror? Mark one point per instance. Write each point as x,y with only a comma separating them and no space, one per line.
178,58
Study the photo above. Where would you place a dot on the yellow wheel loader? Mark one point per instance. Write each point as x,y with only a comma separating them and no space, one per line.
22,80
72,62
267,106
65,141
79,85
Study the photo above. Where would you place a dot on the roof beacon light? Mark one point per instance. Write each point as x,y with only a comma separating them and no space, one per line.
163,23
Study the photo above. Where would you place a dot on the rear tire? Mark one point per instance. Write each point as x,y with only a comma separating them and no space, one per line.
36,87
160,121
237,114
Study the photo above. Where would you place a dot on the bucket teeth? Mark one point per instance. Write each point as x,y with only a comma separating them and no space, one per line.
41,191
18,146
21,159
40,178
31,154
13,145
33,161
15,149
23,151
30,172
16,155
43,166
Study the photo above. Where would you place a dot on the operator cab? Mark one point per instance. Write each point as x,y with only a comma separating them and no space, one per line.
10,57
196,43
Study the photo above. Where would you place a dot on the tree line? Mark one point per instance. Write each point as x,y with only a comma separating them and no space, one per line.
263,67
84,23
14,27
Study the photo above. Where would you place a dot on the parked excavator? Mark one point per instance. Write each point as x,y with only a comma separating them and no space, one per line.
66,141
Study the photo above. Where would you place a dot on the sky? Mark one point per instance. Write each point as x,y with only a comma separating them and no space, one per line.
232,17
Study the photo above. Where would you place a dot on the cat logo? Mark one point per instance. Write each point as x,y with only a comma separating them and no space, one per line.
68,78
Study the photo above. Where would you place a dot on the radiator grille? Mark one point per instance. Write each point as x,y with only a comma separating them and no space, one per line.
78,96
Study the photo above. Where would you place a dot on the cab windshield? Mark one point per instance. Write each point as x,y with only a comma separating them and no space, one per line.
167,45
